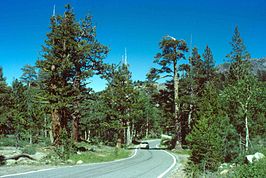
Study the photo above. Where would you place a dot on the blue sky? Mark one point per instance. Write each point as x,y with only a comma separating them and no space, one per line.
137,25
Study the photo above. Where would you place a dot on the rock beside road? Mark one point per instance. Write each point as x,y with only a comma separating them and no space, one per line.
255,157
79,162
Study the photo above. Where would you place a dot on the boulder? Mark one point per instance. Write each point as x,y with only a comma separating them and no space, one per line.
11,162
250,158
255,157
233,165
39,155
26,161
70,161
258,156
224,172
79,162
223,166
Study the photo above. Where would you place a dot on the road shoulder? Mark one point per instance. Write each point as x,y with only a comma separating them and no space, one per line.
178,171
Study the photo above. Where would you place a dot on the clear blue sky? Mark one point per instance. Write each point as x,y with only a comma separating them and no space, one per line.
137,25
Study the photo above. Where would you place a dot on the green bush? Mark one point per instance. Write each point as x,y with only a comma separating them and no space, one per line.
7,141
29,149
11,140
255,170
104,154
67,146
192,170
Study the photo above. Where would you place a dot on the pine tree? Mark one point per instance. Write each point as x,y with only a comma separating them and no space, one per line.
213,138
239,56
29,75
54,71
209,64
119,97
19,114
239,51
71,55
145,114
172,51
29,79
5,104
191,90
241,86
240,98
87,60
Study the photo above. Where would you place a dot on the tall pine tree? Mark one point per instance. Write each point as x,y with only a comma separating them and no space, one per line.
239,56
71,54
172,51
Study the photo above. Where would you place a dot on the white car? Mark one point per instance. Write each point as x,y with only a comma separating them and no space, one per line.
144,145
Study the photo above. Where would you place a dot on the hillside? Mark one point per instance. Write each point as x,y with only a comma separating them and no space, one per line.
256,66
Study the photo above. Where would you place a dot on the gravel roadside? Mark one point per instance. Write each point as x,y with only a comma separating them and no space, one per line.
178,171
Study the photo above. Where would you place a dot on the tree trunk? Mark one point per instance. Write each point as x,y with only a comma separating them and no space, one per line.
85,135
30,138
147,127
176,101
128,134
45,126
176,83
51,136
247,132
189,116
89,135
76,115
56,127
120,138
75,127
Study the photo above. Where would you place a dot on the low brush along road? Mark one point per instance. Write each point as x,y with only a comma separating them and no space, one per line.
143,164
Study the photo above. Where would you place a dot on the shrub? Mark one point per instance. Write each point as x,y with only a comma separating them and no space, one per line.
255,170
66,148
29,149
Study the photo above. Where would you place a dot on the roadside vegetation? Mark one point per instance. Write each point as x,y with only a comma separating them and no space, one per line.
215,115
104,154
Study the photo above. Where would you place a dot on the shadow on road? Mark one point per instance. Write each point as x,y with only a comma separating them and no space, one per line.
132,148
158,149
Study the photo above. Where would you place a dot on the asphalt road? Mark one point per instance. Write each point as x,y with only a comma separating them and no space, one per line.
143,164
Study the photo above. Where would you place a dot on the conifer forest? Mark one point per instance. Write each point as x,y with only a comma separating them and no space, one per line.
217,113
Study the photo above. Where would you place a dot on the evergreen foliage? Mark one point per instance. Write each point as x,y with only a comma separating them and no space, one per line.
213,138
220,117
209,64
239,56
5,105
71,55
172,51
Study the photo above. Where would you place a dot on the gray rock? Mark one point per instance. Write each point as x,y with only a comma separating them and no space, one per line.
223,166
255,157
224,172
70,161
258,156
10,162
39,155
9,151
26,161
79,162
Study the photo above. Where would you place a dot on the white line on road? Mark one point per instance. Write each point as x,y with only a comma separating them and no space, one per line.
17,174
167,170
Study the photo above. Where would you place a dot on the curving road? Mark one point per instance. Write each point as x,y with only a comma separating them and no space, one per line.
143,164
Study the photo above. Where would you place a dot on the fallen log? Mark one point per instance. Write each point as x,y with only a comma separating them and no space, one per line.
15,157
